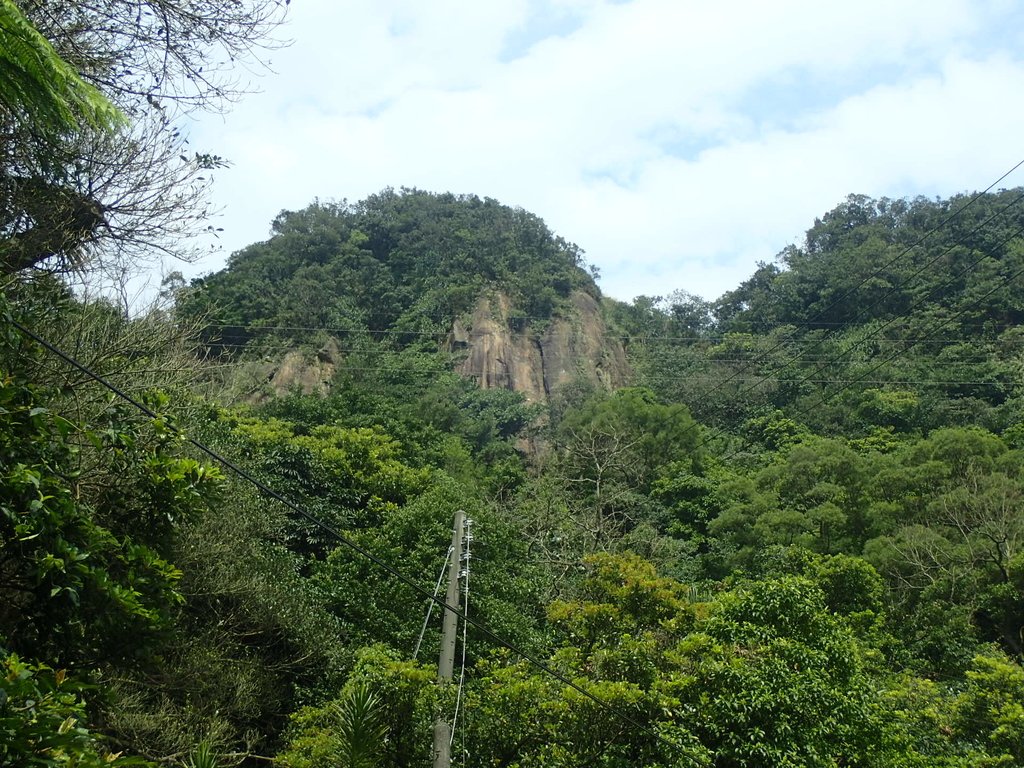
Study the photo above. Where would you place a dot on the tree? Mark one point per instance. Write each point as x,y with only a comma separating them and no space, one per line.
42,96
613,448
617,642
990,711
406,261
382,716
81,569
774,679
690,315
98,187
350,732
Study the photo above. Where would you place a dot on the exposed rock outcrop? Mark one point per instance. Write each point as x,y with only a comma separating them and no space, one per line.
308,373
534,360
537,360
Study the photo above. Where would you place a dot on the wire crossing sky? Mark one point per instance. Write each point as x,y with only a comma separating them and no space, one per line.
677,142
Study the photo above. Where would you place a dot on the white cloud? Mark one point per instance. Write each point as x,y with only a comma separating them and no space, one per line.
676,142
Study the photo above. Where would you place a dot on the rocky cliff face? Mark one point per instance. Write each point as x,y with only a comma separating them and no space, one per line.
534,360
537,360
297,370
309,373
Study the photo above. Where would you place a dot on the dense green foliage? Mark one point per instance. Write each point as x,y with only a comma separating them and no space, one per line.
407,262
914,305
795,541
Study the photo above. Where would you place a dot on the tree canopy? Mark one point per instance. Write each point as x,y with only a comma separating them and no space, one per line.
406,261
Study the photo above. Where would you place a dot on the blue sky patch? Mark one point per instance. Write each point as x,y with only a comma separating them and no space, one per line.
541,25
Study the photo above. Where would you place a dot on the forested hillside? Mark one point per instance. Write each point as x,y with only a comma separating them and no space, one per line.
398,261
792,539
896,315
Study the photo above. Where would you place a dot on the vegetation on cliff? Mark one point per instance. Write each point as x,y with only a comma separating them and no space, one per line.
401,262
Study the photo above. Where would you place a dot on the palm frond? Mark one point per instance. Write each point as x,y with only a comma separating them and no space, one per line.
362,729
203,756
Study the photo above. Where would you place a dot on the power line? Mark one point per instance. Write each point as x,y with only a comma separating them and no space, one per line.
878,271
850,382
795,358
341,538
700,377
625,339
711,356
922,300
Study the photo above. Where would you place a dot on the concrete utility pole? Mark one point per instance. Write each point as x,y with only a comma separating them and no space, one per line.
449,627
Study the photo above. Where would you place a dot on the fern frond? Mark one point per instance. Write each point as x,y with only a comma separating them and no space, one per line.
37,85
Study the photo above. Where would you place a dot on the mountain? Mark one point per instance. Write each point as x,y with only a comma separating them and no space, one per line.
511,302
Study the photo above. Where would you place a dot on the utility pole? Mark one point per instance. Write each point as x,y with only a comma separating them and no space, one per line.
449,627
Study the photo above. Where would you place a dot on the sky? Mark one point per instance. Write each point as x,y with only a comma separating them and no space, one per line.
678,143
